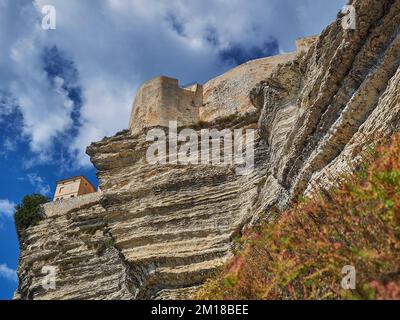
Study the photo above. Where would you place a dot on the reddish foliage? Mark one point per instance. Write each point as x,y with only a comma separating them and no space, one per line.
301,255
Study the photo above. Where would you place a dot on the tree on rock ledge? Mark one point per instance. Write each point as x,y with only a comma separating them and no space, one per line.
28,213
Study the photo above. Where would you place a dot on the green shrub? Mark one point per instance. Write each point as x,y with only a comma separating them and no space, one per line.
28,212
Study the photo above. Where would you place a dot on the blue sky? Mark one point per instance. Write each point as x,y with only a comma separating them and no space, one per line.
62,89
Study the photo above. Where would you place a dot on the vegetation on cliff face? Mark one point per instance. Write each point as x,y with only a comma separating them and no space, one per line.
28,212
301,255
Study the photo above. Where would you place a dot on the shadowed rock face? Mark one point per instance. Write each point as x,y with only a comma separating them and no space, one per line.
157,232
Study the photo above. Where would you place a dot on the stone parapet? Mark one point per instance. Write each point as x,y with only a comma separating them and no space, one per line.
60,207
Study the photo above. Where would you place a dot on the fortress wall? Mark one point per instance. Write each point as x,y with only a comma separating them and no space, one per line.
161,100
189,102
227,95
146,110
61,207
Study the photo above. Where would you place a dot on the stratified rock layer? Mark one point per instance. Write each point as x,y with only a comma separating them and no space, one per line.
158,231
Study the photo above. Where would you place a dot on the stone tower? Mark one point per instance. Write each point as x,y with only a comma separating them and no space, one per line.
161,100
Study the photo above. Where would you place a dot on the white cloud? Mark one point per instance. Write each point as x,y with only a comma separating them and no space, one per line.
44,107
7,208
117,44
38,183
8,273
10,145
106,111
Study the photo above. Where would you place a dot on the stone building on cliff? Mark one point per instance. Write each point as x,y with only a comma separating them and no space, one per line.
73,187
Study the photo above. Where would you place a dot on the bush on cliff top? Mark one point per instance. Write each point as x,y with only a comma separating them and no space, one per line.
301,255
28,212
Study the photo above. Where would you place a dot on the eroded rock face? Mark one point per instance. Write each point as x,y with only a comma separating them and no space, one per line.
158,231
173,222
78,244
349,82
